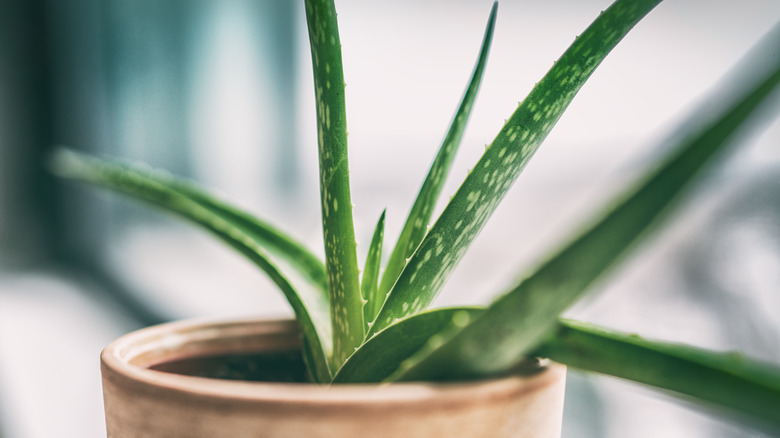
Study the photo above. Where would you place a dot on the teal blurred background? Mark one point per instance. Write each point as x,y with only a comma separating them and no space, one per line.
220,91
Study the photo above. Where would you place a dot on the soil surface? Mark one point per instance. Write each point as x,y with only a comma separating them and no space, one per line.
278,366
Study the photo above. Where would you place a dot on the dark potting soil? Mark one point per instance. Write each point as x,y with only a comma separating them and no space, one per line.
277,366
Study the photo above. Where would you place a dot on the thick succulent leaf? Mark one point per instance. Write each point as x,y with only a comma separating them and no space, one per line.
516,322
502,162
750,389
729,380
335,198
381,355
420,215
273,239
369,286
309,303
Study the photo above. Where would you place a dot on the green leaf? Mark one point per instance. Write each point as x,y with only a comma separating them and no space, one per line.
420,215
372,301
270,237
726,380
235,228
276,241
515,323
729,380
384,353
502,162
337,225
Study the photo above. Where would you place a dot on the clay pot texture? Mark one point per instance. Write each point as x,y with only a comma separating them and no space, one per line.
144,402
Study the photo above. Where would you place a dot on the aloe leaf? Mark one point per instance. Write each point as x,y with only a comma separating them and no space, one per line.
309,304
516,322
271,238
420,215
337,225
381,355
276,241
727,380
369,287
502,162
724,379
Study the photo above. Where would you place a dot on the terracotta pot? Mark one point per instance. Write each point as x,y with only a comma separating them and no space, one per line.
144,402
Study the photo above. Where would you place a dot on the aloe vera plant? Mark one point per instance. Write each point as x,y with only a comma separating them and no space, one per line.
377,327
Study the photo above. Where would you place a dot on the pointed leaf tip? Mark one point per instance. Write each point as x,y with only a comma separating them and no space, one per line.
419,218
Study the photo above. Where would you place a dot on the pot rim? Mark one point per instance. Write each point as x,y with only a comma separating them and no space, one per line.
128,358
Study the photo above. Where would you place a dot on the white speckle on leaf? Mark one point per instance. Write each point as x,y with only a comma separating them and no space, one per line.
461,318
435,341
